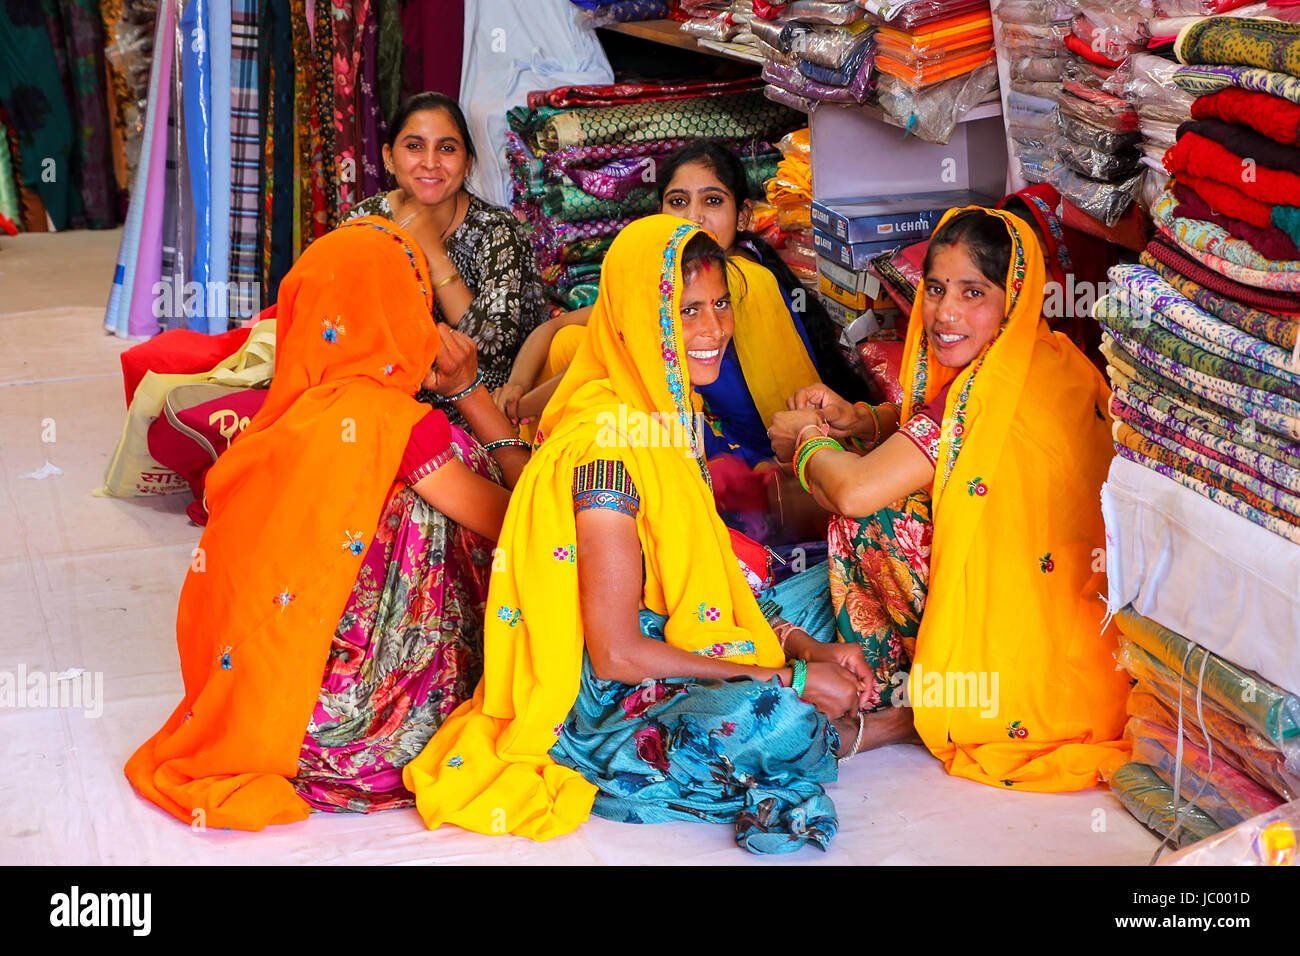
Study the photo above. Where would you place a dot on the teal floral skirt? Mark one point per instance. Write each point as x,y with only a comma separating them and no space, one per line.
737,751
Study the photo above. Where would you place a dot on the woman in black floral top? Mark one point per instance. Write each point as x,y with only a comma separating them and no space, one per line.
482,267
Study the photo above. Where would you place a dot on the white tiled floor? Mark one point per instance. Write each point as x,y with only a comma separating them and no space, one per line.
92,583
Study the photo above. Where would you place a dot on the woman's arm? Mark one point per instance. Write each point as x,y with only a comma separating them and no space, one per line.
489,425
465,497
531,360
858,485
453,373
532,405
609,588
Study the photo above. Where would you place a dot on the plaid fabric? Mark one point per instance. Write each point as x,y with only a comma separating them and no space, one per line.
245,144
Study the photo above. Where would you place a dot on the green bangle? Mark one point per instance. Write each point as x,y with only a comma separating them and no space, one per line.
799,676
478,380
506,443
875,435
805,454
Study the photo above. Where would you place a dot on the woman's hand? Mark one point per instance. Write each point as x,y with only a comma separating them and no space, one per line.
457,364
786,426
832,689
840,415
506,398
848,656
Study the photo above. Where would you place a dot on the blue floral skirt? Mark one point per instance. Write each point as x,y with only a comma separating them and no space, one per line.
741,750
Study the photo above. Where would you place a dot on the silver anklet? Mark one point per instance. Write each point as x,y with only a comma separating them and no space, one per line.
862,726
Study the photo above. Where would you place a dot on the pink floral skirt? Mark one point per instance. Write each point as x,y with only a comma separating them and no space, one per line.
407,652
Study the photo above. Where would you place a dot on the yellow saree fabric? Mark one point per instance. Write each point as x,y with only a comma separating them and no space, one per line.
771,354
626,397
273,570
1016,572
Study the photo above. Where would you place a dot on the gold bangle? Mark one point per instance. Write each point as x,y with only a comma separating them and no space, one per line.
442,282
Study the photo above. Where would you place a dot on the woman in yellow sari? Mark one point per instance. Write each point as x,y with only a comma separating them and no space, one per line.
685,708
973,585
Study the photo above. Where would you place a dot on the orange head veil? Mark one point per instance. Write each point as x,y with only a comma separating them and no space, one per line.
274,568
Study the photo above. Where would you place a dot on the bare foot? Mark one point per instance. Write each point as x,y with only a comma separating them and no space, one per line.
881,728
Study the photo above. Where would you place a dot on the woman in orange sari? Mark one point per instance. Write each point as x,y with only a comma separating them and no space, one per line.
350,534
971,583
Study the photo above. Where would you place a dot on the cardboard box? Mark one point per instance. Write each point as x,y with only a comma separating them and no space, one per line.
876,218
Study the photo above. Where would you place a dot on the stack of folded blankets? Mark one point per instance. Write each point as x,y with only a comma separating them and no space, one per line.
790,193
816,52
1030,33
1240,746
1202,504
584,161
935,60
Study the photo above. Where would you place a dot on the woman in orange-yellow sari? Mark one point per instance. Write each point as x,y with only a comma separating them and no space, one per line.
333,613
972,582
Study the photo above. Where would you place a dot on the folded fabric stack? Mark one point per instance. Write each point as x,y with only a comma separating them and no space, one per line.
1226,740
790,192
1146,81
1202,504
1099,169
584,161
1031,36
935,59
724,26
1169,17
817,52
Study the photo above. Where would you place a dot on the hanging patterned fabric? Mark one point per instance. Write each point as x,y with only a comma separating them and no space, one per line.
326,215
373,127
80,51
347,19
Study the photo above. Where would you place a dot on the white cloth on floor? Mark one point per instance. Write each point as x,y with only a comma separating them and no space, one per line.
511,48
1200,570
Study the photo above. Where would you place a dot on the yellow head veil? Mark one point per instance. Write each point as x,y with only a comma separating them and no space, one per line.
626,397
1013,613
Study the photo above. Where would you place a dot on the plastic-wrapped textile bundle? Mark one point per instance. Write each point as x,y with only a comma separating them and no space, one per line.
1097,163
791,79
1155,698
1253,700
844,74
1151,801
1270,839
836,12
1104,201
1224,793
931,113
827,46
1167,29
1111,31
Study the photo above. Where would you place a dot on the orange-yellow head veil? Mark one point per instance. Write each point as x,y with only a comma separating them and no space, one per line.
273,570
1013,682
626,397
